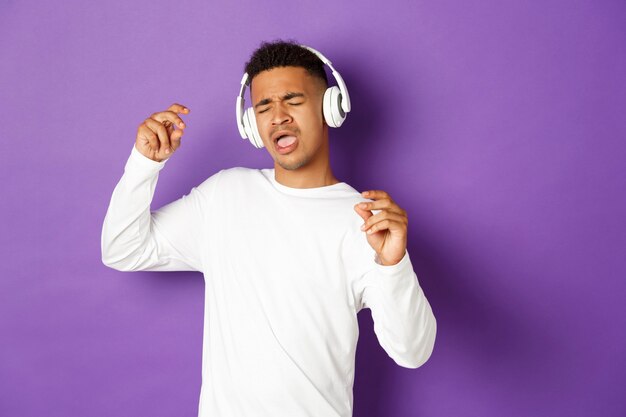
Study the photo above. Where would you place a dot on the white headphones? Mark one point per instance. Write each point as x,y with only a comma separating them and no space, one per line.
336,105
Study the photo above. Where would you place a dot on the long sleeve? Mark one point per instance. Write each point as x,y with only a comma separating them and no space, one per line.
168,239
403,319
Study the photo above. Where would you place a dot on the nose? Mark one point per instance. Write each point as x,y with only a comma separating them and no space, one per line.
280,115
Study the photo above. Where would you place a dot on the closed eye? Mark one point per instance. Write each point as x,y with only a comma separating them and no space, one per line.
293,104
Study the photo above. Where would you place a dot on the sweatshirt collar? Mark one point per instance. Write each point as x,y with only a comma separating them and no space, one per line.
340,189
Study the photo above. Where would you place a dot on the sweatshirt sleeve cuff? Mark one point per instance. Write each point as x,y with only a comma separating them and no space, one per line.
140,162
394,269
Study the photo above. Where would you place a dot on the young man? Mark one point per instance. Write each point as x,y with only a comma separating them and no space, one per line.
289,254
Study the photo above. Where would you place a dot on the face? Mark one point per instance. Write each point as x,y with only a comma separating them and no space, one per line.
288,101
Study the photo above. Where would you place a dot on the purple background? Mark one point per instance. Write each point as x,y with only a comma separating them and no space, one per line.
499,126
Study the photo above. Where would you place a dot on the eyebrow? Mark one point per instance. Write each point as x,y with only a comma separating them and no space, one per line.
287,96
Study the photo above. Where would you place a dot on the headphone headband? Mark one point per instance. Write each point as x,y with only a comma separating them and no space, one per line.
345,98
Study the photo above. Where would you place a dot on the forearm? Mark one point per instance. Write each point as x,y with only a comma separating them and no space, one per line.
126,232
403,319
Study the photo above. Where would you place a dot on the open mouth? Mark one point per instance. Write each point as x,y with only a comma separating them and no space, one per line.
286,140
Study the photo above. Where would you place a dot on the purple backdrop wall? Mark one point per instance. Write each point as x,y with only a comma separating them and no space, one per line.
499,126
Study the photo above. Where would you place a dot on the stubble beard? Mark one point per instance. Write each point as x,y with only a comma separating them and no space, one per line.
291,166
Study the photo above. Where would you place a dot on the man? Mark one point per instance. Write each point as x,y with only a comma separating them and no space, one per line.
289,254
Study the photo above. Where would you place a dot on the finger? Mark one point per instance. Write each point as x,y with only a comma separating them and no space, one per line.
383,204
376,194
178,108
168,118
365,214
391,224
175,139
148,136
382,216
161,132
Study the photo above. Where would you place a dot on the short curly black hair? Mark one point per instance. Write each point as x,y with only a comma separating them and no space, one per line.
284,53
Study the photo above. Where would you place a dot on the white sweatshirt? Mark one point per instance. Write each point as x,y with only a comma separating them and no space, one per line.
286,271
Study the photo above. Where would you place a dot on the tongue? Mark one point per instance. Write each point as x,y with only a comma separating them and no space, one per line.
286,141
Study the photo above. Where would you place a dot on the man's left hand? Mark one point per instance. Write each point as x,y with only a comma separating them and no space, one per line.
386,231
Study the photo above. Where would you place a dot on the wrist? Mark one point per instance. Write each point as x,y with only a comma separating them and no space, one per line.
385,262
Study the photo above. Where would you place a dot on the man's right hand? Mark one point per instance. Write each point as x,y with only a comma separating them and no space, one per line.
156,137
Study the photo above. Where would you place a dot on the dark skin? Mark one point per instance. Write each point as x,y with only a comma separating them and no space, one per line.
386,231
156,137
289,99
159,136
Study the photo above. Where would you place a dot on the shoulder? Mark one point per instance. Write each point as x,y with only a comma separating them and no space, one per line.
239,174
228,176
232,173
352,197
235,172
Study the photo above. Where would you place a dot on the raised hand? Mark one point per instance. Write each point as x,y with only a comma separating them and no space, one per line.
386,231
156,137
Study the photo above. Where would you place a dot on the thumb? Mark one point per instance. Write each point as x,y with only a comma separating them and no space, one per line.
178,133
365,214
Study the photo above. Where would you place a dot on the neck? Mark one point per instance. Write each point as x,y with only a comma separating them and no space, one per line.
301,179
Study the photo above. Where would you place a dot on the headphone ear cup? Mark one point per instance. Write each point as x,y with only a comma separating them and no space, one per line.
249,123
246,125
333,113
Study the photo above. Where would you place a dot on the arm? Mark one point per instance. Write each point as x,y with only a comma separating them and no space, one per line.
386,283
168,239
403,319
